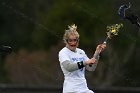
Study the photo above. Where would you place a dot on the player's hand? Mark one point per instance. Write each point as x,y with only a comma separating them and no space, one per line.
100,48
91,61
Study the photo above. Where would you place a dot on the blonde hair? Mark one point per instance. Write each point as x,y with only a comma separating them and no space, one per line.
72,30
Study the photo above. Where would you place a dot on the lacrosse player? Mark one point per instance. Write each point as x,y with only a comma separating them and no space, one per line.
74,61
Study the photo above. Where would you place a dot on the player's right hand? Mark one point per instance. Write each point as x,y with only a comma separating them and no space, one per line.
91,61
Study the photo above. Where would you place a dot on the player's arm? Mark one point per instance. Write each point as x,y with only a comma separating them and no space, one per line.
92,67
99,49
70,66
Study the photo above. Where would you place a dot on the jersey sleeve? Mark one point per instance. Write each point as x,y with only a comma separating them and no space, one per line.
63,56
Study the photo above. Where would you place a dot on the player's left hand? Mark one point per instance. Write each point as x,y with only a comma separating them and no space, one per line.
100,48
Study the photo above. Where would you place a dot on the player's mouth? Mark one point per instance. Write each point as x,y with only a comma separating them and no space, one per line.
73,45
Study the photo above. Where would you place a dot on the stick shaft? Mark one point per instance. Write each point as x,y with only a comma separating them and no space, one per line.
105,40
138,24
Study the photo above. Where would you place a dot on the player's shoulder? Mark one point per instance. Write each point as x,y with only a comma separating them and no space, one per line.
81,51
63,50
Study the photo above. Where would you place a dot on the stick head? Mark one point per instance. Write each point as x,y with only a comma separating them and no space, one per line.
122,10
5,50
125,12
113,30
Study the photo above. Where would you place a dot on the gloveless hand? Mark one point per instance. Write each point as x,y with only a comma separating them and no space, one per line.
100,48
91,61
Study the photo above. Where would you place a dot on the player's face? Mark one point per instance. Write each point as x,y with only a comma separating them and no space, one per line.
72,42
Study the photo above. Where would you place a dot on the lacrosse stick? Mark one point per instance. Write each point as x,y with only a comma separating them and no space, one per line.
125,13
5,49
112,31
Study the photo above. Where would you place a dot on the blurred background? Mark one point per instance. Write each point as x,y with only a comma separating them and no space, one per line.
34,29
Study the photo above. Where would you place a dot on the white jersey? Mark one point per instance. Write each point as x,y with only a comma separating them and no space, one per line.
75,81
